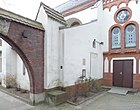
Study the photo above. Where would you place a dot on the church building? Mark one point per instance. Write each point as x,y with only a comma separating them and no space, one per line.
99,40
89,39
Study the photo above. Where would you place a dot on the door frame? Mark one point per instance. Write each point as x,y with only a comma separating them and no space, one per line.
122,71
124,58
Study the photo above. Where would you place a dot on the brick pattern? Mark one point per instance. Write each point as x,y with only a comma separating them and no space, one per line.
108,80
122,52
110,3
123,8
75,90
79,89
108,77
123,49
31,51
79,8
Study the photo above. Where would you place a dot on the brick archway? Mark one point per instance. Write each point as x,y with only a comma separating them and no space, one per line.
26,37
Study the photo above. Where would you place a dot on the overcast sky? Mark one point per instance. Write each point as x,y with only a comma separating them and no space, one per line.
27,8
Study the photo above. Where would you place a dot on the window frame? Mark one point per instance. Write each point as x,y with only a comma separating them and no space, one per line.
125,39
119,10
123,49
114,36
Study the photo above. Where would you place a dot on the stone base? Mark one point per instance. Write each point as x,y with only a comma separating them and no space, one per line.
108,80
56,97
37,98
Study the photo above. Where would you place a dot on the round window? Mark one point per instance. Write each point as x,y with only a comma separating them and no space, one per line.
122,15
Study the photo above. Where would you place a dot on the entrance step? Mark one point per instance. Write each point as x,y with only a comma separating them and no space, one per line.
56,97
122,90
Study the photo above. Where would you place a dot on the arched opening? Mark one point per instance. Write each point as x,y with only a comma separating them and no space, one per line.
16,71
34,79
28,42
21,55
26,38
73,22
13,71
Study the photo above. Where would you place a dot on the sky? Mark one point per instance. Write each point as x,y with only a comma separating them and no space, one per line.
28,8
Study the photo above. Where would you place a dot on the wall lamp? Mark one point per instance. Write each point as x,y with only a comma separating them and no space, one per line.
25,34
94,43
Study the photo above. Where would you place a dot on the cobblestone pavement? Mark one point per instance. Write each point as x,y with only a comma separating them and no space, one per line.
105,101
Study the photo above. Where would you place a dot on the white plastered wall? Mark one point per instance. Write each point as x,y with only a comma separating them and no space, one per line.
78,46
106,65
51,49
22,75
135,7
108,18
8,61
90,14
12,64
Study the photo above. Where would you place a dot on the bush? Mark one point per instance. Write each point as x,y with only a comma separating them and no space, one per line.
94,85
10,81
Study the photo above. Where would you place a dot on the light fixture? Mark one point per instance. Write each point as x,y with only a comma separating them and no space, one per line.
94,43
101,43
25,34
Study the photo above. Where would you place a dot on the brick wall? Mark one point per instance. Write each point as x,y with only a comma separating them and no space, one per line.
31,51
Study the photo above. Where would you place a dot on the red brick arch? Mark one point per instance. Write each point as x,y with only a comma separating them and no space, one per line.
30,49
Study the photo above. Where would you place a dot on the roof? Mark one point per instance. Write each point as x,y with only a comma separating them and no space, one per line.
70,4
52,13
18,18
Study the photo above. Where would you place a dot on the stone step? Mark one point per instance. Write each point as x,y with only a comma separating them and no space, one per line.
129,89
56,97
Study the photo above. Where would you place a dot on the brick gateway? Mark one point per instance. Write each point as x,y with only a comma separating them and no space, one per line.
26,37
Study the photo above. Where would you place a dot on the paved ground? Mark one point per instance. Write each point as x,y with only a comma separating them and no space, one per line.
106,101
10,103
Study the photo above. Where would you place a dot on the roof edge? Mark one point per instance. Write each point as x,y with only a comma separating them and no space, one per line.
79,8
18,18
53,13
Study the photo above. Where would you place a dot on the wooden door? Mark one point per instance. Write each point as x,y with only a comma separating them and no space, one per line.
117,73
123,73
128,73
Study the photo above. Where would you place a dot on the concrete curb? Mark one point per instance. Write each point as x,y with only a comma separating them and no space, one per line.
93,98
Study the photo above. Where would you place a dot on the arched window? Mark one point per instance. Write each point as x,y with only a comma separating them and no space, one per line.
130,36
116,37
75,24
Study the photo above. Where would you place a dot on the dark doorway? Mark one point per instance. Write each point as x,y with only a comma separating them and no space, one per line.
123,73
